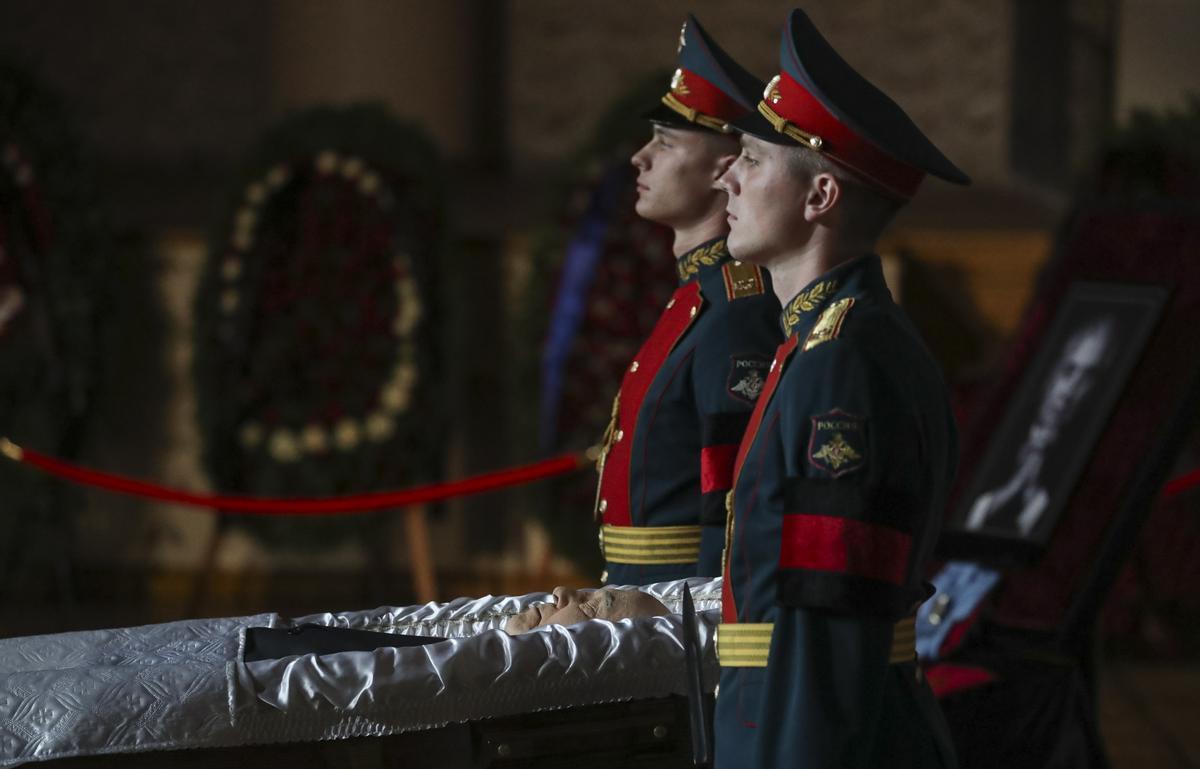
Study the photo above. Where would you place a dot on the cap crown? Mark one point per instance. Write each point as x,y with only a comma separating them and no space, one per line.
708,88
821,102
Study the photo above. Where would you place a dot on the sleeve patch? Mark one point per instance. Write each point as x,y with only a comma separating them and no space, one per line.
747,375
838,443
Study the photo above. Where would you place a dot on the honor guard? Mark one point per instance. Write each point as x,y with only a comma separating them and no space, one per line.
841,478
666,460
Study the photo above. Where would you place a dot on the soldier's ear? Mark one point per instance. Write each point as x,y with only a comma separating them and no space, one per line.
824,192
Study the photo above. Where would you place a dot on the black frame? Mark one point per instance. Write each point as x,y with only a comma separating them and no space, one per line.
1135,310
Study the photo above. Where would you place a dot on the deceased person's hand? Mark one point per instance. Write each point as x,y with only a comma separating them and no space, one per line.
571,606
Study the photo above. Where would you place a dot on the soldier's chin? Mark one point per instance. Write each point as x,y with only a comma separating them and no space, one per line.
740,245
646,208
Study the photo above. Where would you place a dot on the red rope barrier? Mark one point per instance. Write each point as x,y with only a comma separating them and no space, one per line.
239,505
354,503
1182,483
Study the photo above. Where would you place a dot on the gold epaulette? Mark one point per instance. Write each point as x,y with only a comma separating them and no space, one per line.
829,325
742,280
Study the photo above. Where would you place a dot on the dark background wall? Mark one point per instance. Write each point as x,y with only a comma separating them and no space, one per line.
171,93
170,96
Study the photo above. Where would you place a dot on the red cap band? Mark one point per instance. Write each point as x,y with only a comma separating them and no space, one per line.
696,93
794,103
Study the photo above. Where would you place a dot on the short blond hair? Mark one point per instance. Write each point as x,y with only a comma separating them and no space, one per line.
866,209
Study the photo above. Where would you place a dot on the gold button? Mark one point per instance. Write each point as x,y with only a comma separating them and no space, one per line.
620,434
603,505
633,366
670,304
694,311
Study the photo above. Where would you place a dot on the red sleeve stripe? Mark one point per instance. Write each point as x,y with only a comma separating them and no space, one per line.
716,467
846,546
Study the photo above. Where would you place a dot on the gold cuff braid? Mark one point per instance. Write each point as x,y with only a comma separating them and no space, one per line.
748,644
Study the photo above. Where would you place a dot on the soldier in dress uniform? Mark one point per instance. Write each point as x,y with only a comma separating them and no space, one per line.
842,475
666,460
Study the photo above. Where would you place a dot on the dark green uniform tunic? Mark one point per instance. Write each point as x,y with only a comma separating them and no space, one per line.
838,490
667,460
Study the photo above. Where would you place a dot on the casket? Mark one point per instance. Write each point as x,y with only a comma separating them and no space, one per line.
597,693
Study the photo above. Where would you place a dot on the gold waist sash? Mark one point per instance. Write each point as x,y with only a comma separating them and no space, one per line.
650,544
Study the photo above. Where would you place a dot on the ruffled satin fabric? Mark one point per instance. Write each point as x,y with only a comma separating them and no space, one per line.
184,684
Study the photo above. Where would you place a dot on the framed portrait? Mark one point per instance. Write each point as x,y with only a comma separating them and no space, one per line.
1060,409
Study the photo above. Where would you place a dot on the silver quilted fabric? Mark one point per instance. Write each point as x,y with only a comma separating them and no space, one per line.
184,685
